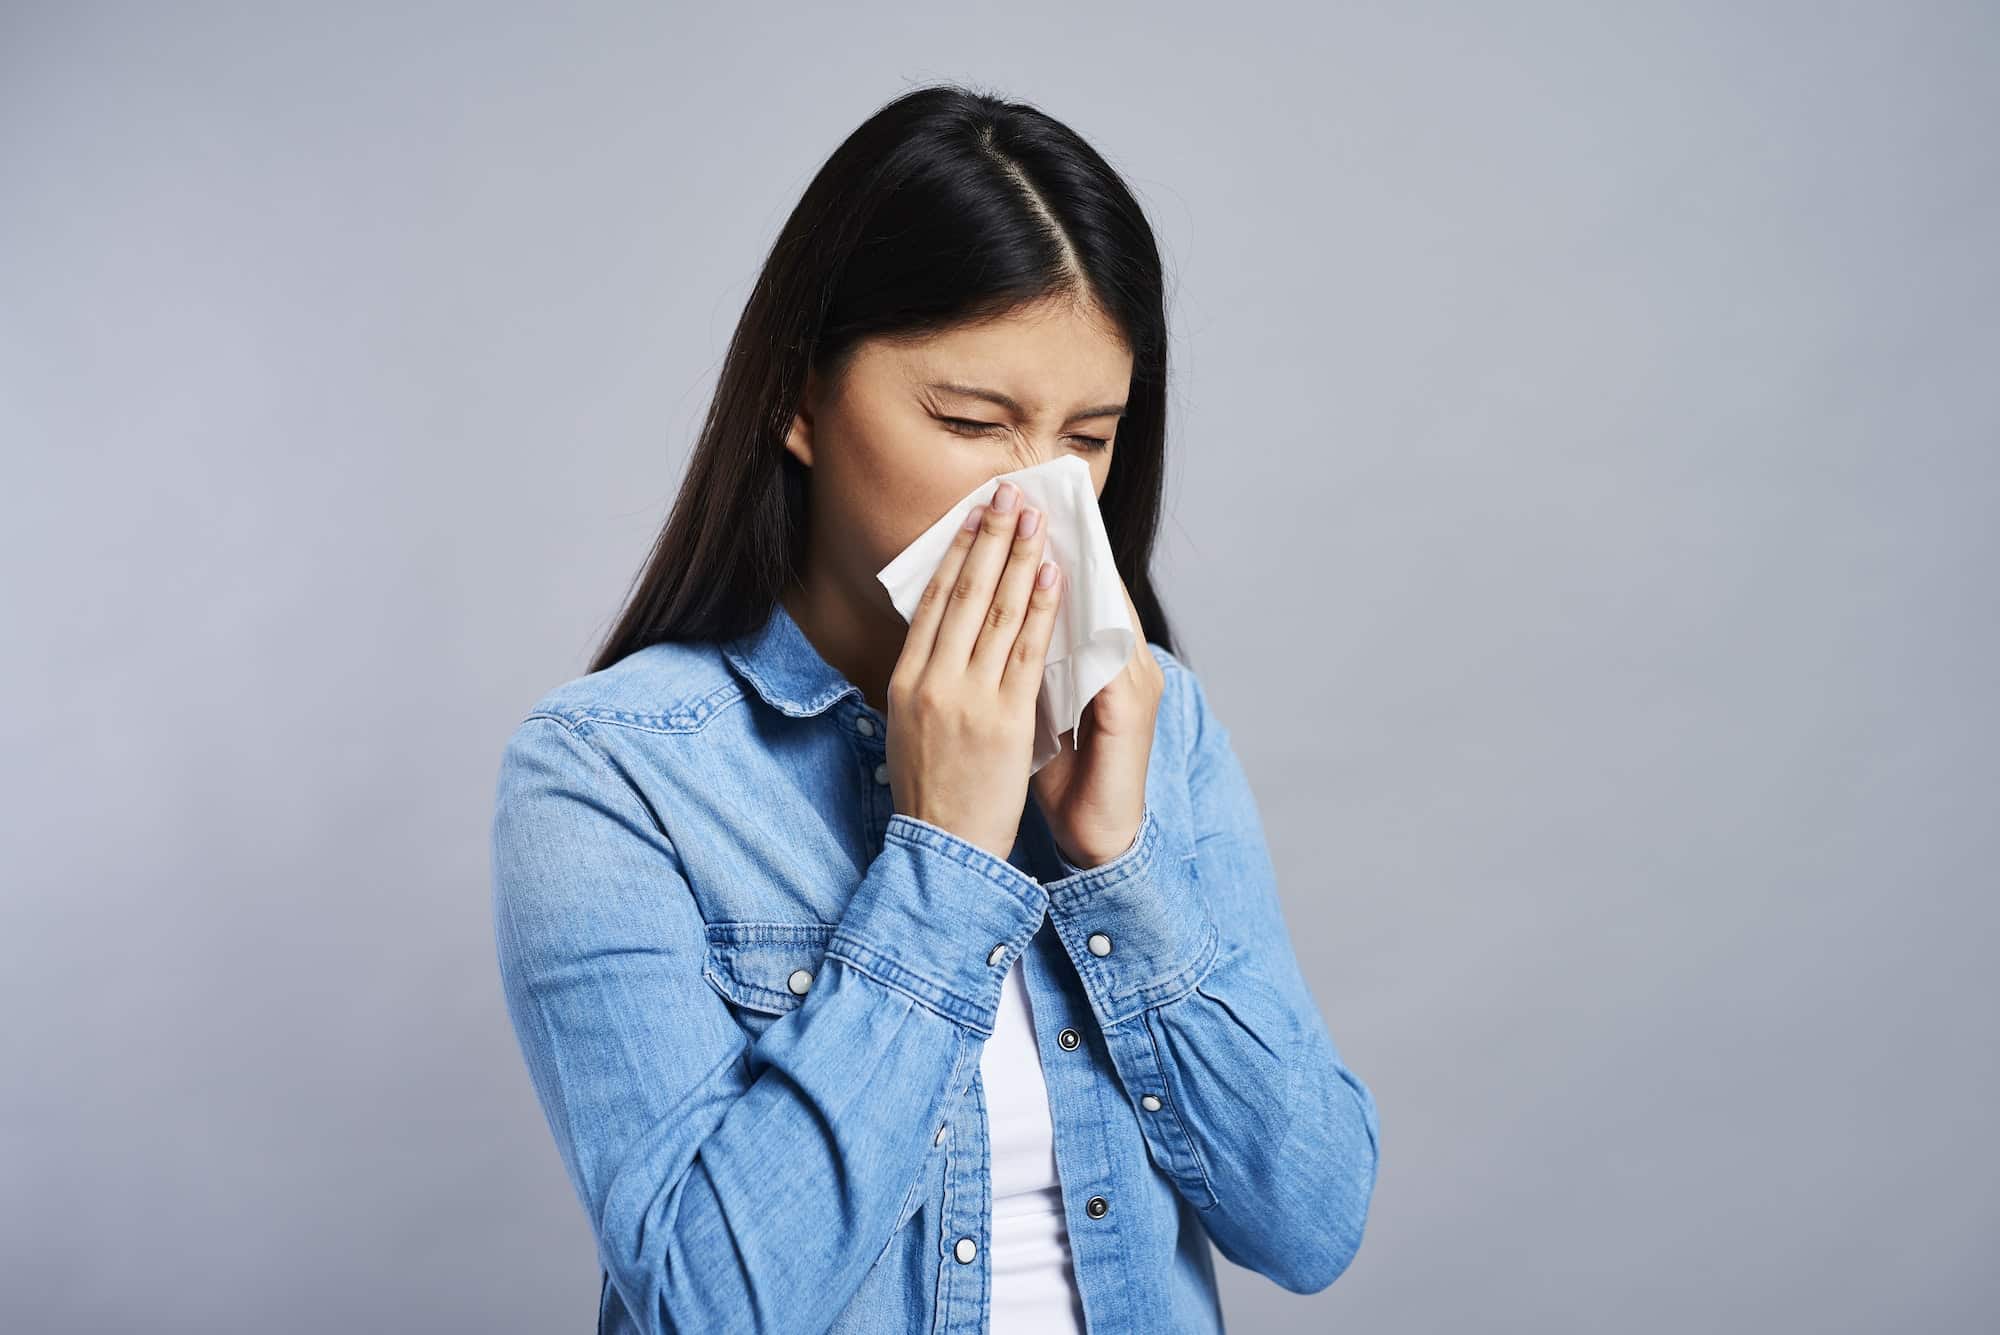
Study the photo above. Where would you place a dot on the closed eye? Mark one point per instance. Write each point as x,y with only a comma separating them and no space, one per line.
965,426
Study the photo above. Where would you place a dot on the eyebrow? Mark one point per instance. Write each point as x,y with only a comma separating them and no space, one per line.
1013,405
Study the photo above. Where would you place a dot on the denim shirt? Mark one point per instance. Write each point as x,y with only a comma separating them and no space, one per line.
752,998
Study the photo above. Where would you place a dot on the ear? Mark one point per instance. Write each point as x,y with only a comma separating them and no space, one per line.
799,438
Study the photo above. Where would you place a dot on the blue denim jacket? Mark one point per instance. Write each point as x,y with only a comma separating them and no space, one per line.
752,999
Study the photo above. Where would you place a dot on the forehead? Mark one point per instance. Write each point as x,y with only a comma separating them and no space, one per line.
1051,357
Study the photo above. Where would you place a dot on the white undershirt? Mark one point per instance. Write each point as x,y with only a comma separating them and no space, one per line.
1034,1289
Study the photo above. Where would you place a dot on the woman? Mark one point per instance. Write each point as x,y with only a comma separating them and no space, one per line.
841,1021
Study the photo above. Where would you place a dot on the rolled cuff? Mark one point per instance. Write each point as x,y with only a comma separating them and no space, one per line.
1136,927
940,918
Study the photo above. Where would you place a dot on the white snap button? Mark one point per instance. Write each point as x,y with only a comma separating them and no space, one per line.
882,772
865,726
1150,1104
965,1251
1099,944
993,955
800,980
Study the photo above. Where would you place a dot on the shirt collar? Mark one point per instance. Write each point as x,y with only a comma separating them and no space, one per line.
782,666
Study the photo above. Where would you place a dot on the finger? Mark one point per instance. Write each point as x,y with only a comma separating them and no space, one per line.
1139,650
972,592
936,595
1010,601
1022,680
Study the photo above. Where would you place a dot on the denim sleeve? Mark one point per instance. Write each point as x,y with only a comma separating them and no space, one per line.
734,1185
1258,1122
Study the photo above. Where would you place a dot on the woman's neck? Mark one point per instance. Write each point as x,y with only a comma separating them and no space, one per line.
852,637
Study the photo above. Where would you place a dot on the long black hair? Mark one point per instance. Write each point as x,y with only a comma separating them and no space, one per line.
946,206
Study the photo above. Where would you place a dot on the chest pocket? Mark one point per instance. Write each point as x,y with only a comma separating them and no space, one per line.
764,969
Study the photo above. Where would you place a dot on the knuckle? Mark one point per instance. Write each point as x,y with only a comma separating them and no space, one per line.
924,700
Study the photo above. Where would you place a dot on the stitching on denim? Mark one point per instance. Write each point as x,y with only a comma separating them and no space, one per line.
692,717
1172,988
914,832
1174,1106
883,970
731,940
1071,891
766,932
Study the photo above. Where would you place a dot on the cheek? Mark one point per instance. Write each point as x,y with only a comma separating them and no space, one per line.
922,501
885,508
897,478
915,488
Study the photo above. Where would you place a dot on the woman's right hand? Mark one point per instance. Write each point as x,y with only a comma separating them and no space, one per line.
961,699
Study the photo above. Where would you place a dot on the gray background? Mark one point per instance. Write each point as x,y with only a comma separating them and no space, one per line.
1581,511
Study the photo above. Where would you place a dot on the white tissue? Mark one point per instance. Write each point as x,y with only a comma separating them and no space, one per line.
1093,637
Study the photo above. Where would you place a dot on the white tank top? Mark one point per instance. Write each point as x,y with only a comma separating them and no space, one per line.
1034,1289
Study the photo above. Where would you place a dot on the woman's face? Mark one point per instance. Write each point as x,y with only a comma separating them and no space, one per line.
913,426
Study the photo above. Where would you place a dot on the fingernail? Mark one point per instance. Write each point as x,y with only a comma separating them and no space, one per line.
1003,497
972,517
1030,521
1046,575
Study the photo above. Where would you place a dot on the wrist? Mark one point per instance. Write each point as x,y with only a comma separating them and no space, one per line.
1085,859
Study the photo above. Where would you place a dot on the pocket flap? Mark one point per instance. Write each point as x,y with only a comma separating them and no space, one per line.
755,964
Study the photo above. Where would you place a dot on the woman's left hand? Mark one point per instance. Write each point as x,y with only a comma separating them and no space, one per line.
1092,793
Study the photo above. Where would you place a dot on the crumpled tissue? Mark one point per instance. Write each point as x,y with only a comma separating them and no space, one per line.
1093,638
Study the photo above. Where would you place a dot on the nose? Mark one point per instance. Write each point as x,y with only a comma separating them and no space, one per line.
1036,452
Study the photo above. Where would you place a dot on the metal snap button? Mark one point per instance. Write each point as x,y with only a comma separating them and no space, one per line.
1150,1103
1068,1038
1099,944
993,955
965,1251
882,772
1096,1206
865,726
800,980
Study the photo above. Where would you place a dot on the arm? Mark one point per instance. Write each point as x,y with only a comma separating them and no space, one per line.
730,1185
1203,1007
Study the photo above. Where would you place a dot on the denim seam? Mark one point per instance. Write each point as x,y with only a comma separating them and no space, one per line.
891,974
915,832
1174,1106
1078,887
1166,991
699,712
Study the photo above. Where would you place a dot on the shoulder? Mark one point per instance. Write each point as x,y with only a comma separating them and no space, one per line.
665,687
632,738
1184,710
